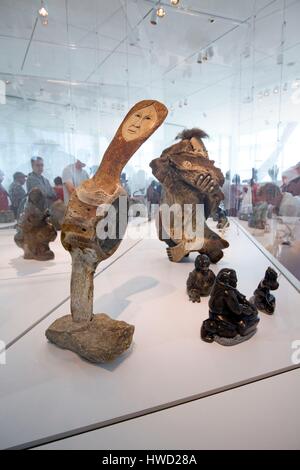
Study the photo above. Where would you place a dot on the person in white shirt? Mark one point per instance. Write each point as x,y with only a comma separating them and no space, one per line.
285,204
72,177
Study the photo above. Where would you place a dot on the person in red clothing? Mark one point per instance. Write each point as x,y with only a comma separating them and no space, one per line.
58,188
4,204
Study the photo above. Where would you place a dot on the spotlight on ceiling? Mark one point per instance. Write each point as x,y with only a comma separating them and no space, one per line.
43,13
160,11
276,90
211,20
174,2
153,19
199,58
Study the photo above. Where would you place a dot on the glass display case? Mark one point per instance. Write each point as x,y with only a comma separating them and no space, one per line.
70,70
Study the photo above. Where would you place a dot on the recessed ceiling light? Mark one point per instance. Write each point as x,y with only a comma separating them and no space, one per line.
266,92
276,90
211,20
174,2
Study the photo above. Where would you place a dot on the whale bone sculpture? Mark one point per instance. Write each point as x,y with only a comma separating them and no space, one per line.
99,338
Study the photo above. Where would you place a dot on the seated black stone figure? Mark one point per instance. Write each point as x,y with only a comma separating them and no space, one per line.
262,298
201,280
232,318
222,219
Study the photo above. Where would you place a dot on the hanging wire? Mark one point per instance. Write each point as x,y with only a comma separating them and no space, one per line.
71,110
127,52
281,52
99,94
253,107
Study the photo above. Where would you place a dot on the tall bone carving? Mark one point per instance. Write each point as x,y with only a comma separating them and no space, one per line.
189,177
99,338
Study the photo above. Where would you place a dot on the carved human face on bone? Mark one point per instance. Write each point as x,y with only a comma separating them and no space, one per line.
139,123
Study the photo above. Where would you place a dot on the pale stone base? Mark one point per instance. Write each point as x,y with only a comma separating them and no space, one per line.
100,340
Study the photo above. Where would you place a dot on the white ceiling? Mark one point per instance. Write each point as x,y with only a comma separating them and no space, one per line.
84,60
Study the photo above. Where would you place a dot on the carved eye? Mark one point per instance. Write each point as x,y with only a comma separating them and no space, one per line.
147,117
138,115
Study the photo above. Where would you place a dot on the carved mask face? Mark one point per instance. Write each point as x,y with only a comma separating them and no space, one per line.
139,124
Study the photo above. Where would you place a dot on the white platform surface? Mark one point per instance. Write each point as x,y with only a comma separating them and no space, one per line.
46,391
30,289
261,415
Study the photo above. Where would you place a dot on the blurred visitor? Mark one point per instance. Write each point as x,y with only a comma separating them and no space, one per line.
17,193
35,179
58,188
72,177
284,185
246,202
236,195
124,183
293,186
153,196
284,204
254,191
4,203
226,192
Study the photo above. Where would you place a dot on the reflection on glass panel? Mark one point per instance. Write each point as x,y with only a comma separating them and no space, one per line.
231,68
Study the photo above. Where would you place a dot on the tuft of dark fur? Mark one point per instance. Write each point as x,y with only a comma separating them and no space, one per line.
189,133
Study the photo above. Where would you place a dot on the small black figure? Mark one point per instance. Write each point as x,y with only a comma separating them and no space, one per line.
232,318
222,219
263,299
201,280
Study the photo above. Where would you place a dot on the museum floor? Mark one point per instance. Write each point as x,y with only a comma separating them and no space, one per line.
171,390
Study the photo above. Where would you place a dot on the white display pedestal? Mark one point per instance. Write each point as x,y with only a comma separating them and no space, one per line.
270,420
47,392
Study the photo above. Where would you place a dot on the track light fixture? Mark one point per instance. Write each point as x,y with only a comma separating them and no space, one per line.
153,19
160,11
174,2
43,13
199,58
279,58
